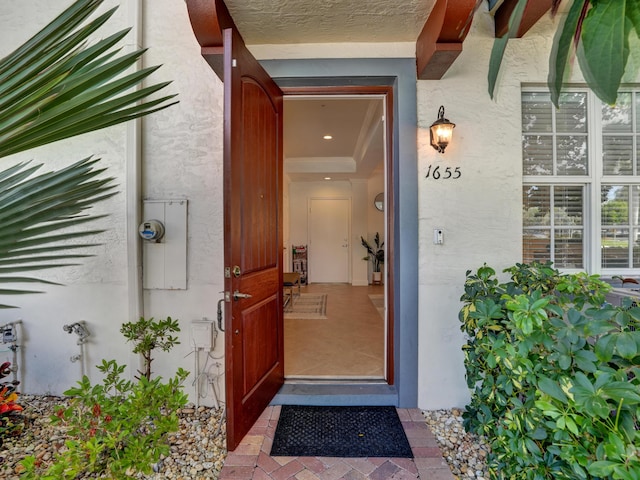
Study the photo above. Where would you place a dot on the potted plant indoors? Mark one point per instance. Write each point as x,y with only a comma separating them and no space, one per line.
376,255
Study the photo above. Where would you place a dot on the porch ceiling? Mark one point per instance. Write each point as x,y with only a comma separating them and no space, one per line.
438,28
329,21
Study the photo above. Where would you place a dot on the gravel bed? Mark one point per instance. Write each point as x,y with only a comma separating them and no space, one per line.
464,452
198,448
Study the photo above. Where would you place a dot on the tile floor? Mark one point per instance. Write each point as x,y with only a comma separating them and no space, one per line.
348,344
251,459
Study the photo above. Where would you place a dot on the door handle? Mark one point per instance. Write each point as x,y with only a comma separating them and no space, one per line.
238,295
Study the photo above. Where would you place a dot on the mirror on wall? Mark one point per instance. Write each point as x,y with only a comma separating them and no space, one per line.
379,201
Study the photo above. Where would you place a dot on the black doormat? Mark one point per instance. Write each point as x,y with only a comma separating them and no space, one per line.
311,431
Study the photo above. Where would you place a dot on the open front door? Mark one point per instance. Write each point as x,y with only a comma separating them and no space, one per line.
253,237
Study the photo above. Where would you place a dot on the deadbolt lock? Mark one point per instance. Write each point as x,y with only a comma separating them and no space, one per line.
236,271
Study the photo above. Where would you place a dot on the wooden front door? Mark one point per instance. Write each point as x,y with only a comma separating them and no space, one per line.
253,237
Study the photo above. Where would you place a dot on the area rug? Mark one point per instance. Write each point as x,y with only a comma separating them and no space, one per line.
378,302
312,306
313,431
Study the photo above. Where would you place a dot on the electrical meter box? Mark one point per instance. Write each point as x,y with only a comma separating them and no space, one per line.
202,334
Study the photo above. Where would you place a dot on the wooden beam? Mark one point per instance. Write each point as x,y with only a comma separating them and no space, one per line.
440,41
208,20
533,12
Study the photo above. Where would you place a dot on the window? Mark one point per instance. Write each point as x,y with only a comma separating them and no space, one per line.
581,181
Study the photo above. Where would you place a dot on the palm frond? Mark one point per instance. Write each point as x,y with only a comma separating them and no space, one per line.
40,213
59,84
55,86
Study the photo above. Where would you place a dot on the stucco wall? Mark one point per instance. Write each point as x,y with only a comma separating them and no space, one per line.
182,151
95,291
480,213
181,158
179,151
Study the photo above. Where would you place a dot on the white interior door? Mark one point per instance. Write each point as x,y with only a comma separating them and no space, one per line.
329,221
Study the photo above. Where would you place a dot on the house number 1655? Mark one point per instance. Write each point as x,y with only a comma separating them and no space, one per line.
444,174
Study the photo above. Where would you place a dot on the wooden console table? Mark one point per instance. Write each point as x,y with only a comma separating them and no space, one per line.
291,280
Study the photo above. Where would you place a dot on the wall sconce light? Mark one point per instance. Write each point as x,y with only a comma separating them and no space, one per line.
441,132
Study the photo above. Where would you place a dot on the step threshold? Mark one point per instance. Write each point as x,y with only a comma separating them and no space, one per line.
339,393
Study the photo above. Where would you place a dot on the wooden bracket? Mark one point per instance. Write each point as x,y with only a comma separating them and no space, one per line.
208,20
440,41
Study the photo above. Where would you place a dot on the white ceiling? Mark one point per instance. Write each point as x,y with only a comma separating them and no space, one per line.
356,148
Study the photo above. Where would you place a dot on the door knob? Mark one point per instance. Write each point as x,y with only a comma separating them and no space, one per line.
238,295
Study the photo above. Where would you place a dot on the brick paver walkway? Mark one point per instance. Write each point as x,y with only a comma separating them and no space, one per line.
251,459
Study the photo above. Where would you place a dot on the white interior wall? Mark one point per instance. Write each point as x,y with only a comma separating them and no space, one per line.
287,259
376,218
299,195
359,220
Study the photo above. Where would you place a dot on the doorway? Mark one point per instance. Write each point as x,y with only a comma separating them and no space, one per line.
335,165
329,233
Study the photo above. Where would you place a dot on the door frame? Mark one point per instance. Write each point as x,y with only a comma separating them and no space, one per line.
386,92
398,74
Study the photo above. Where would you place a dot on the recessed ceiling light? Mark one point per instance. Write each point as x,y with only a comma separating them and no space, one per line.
328,137
327,178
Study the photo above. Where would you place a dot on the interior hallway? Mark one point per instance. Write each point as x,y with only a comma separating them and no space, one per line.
349,344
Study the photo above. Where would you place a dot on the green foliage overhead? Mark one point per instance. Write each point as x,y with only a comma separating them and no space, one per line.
597,32
59,84
56,86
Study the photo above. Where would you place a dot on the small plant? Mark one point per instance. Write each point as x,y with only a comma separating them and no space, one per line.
376,255
8,406
147,335
118,429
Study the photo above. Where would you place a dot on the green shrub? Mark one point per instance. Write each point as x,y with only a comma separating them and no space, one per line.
554,373
118,428
149,334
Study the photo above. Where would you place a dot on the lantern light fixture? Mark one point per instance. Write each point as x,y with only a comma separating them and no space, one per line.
441,132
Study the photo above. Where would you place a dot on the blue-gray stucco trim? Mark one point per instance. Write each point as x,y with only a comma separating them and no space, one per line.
402,72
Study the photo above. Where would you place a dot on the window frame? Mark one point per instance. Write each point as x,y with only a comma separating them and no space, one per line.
593,181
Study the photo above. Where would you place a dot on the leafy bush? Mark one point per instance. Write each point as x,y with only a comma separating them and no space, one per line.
147,335
8,406
554,373
119,428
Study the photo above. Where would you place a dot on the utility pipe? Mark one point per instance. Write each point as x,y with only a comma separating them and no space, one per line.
134,12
